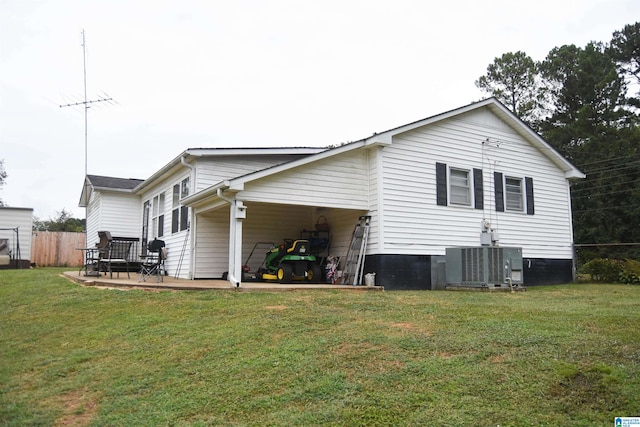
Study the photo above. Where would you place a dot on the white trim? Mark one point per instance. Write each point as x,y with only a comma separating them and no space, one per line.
380,189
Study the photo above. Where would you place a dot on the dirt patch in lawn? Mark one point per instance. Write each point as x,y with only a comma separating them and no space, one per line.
80,408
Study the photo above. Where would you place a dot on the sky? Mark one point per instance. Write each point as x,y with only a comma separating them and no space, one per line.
244,73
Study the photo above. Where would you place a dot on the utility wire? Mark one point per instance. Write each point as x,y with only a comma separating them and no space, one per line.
607,160
606,208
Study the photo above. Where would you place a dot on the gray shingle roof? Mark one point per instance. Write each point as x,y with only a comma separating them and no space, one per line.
98,181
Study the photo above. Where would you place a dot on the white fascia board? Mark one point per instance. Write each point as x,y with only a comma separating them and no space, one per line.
112,190
379,140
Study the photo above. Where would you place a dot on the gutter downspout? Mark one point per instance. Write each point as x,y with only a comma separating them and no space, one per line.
191,230
237,212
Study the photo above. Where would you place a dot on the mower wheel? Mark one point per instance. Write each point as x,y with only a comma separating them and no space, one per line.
285,273
314,274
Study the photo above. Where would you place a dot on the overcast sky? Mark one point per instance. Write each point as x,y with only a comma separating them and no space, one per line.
244,73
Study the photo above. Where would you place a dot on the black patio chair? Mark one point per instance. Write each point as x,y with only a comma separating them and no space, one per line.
94,256
118,255
153,262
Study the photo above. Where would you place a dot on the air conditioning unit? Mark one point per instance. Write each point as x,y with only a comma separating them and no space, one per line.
484,266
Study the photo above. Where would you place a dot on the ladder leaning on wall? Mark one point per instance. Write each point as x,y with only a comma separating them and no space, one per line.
354,265
184,249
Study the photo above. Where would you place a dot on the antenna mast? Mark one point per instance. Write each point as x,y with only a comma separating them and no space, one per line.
86,103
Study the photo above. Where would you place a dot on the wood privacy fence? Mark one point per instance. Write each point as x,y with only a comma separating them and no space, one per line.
56,249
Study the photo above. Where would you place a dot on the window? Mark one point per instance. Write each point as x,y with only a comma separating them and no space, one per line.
180,214
153,218
158,215
457,187
460,187
513,192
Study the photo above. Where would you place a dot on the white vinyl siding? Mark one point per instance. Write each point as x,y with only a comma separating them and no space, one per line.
211,171
415,224
339,181
120,214
22,220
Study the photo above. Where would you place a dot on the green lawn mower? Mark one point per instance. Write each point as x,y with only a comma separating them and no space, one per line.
291,261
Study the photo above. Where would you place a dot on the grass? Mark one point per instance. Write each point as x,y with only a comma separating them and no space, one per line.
554,356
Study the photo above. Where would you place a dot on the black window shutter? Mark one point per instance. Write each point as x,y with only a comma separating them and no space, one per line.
184,217
441,184
498,186
478,189
528,182
175,220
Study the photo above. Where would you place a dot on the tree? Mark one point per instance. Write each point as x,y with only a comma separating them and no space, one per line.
3,178
588,126
513,79
63,222
625,50
585,92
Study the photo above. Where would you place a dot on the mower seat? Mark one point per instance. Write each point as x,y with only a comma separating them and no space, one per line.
299,247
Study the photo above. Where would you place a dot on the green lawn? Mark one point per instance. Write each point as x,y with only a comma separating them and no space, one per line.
554,356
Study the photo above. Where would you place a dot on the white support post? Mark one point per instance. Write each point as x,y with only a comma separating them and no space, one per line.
237,213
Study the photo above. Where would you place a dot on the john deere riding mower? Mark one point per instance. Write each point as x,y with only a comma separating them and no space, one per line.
291,261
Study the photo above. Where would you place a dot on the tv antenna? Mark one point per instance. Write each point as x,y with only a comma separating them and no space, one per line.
86,103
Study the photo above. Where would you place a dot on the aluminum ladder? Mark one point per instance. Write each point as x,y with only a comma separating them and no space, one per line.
354,266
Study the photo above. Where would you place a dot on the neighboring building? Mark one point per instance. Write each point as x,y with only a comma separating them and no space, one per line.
15,237
427,185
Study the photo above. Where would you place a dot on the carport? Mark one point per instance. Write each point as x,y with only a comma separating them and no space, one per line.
229,218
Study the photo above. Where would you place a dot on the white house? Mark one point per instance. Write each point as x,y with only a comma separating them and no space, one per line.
427,186
15,237
152,208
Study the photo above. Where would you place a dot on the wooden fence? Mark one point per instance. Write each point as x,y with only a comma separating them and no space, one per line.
57,249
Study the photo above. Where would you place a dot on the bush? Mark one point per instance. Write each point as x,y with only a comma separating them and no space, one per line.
604,269
630,273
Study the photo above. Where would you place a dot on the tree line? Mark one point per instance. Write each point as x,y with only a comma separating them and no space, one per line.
585,102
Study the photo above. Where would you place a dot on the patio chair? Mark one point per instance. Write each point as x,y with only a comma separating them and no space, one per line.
94,256
118,255
153,263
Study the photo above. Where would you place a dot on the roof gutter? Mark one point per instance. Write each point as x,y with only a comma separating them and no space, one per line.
219,193
184,162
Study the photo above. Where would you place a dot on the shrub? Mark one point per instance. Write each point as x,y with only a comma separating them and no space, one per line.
630,273
604,269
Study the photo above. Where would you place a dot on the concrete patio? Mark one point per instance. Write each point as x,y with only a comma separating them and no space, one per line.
171,283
